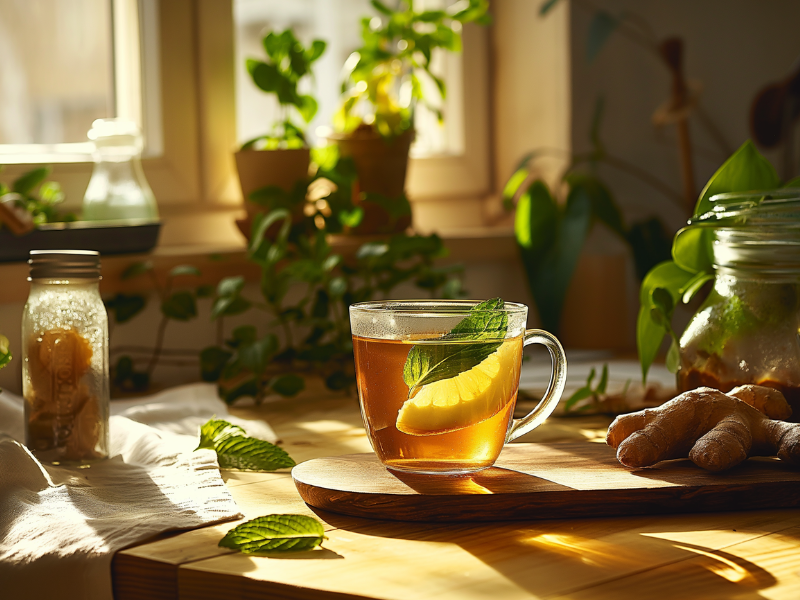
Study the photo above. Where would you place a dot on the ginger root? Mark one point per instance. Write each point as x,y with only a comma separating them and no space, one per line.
716,431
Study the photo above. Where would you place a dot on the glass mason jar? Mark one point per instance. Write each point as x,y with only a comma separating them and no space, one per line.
118,189
747,329
65,358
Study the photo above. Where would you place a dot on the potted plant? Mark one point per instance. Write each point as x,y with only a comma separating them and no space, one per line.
274,163
386,79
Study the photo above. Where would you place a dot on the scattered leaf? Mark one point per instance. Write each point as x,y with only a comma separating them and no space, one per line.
275,533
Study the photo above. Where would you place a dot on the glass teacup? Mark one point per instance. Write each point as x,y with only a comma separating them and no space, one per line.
438,380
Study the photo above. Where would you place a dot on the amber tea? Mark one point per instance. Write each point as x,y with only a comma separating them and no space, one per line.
452,424
438,381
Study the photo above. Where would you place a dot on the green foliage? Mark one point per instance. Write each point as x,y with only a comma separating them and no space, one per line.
550,234
125,377
387,75
275,533
587,391
39,197
125,306
5,352
287,62
691,266
180,305
601,27
306,290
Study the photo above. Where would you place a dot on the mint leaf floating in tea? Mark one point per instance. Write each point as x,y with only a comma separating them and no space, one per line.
464,377
427,363
237,451
275,533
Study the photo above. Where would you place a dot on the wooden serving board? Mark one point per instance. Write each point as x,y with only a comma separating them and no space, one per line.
543,481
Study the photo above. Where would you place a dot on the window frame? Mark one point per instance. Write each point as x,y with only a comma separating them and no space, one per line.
194,177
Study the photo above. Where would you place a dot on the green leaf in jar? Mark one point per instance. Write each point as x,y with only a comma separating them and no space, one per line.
275,533
734,319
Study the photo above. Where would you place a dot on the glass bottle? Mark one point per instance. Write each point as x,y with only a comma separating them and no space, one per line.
65,358
747,329
118,189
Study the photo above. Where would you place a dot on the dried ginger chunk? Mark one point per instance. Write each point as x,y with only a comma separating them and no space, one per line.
63,418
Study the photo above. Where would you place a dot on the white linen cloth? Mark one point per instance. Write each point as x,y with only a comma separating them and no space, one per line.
60,526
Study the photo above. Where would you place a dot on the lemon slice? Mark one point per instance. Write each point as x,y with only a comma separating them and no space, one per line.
468,398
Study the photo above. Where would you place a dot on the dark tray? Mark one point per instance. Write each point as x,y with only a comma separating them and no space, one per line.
109,237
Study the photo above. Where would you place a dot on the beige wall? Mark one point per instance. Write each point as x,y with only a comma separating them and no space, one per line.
732,47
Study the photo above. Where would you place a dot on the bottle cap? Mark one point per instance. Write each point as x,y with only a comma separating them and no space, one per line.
64,264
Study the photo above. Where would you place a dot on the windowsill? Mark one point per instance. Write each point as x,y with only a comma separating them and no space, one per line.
227,256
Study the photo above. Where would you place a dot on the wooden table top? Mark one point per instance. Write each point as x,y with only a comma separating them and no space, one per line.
744,555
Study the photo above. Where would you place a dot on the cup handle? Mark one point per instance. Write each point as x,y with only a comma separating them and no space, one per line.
555,388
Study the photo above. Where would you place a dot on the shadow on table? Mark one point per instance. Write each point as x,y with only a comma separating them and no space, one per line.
565,557
665,556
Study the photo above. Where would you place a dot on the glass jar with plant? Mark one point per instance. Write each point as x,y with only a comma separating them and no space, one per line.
387,77
279,159
745,241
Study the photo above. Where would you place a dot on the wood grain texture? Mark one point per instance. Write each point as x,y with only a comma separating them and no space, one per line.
514,560
542,481
647,556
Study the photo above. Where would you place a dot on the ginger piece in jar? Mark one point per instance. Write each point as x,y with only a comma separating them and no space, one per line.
63,415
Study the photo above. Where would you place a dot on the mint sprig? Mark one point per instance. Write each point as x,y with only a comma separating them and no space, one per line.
237,451
275,533
428,363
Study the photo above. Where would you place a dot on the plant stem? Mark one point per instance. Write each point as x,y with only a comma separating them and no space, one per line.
162,327
714,131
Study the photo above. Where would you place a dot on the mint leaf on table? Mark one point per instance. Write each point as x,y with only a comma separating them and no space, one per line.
275,533
427,363
215,431
250,454
237,451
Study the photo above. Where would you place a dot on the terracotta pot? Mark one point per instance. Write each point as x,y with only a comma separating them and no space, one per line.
381,166
260,168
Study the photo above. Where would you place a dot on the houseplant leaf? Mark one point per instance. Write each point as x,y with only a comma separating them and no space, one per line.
550,284
601,27
180,306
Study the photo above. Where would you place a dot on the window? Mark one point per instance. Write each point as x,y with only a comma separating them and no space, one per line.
446,161
338,23
57,74
170,65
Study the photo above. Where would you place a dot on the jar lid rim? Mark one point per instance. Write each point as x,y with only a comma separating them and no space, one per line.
67,264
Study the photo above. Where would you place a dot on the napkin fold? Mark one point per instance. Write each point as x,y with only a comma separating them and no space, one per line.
60,526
